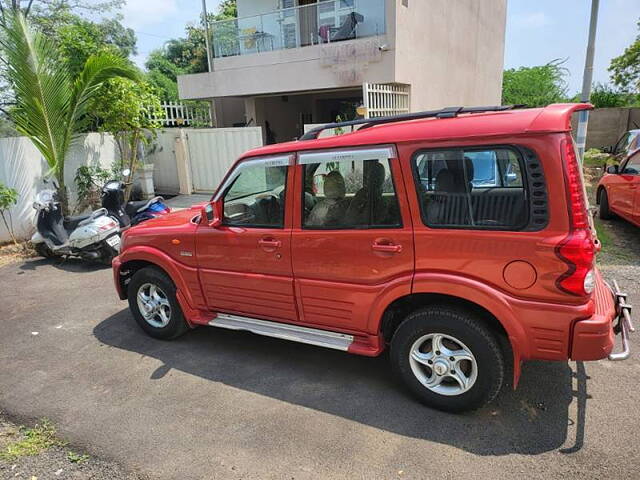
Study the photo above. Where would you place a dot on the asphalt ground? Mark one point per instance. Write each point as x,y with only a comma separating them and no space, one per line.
224,404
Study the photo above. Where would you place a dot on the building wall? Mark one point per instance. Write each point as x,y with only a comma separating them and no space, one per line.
450,52
340,65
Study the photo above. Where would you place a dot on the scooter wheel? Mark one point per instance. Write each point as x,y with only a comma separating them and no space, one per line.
43,250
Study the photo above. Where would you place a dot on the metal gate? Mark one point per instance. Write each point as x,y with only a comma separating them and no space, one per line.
382,99
213,150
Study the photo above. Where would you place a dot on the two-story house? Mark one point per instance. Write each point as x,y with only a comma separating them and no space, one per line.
287,63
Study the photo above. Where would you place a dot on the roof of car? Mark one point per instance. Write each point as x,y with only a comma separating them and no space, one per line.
553,118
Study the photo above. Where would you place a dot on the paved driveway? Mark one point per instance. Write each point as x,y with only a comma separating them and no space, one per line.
222,404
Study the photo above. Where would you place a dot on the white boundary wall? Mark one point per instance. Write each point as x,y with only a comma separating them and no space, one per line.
22,167
205,156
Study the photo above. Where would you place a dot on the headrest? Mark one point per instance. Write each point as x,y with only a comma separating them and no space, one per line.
334,187
374,176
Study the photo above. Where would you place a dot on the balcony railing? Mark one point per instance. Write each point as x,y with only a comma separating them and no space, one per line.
319,23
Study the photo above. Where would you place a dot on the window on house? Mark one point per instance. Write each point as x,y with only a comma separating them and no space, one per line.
480,188
256,197
350,194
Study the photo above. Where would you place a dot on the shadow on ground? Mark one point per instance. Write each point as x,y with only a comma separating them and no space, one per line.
531,420
68,265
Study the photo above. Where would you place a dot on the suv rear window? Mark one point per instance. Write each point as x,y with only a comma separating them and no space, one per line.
477,188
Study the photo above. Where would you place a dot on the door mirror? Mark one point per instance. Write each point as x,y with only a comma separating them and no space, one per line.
212,214
612,169
608,149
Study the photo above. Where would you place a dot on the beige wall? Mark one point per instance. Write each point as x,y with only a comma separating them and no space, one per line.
451,52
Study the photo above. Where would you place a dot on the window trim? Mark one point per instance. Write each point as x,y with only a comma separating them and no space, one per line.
524,226
232,179
383,153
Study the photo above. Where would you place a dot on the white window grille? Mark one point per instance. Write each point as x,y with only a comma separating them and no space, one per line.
383,99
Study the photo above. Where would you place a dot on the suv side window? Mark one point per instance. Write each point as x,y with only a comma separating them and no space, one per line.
477,188
632,166
256,197
350,194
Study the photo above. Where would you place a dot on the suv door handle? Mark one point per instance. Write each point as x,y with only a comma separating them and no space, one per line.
386,247
269,243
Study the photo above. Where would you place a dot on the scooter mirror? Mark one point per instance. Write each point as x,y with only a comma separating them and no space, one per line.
126,172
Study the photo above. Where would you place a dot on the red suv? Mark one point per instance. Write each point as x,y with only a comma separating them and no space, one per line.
618,192
459,239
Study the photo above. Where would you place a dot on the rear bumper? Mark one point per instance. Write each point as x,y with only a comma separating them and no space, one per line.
594,338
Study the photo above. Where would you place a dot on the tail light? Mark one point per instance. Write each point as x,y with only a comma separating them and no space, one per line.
577,250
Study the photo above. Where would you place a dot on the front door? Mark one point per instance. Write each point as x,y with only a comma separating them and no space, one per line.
245,264
352,238
625,187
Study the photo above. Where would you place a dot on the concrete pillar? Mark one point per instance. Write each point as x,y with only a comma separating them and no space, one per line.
145,177
183,165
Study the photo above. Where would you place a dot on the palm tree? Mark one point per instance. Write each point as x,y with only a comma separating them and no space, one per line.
51,106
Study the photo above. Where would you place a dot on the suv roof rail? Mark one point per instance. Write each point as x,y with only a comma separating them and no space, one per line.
448,112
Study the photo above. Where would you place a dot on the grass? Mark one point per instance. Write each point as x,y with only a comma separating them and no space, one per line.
34,440
77,457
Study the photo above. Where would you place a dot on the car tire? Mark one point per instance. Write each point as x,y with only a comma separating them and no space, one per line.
153,303
466,367
604,212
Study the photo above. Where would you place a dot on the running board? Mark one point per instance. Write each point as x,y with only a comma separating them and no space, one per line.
294,333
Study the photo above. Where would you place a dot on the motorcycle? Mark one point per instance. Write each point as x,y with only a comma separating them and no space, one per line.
132,212
91,237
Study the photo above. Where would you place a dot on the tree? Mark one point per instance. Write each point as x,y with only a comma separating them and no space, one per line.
187,54
79,39
129,110
605,96
52,105
625,69
48,17
535,86
8,198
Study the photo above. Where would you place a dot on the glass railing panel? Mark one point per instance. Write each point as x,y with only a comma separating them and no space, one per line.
323,22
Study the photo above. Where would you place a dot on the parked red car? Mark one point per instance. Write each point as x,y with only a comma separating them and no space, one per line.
618,191
458,238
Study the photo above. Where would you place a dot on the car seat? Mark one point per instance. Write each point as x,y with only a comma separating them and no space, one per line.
330,210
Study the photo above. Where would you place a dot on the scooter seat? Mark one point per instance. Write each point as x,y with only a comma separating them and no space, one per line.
71,223
132,207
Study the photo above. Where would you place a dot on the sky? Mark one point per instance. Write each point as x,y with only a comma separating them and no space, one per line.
538,31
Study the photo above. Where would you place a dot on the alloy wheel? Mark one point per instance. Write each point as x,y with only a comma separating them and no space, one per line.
443,364
154,305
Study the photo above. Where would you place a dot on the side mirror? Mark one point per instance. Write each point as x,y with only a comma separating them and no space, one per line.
212,214
612,169
608,149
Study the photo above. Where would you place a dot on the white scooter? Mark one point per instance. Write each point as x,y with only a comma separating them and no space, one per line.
90,237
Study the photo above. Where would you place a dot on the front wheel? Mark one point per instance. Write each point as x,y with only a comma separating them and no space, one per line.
153,302
448,358
43,250
605,213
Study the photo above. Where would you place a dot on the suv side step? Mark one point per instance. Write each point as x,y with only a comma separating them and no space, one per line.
294,333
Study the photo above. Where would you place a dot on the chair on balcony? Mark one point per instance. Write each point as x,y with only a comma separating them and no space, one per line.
346,31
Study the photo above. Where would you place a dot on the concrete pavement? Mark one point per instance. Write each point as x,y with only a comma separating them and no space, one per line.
223,404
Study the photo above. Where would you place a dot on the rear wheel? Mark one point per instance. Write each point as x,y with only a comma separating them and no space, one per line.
448,358
605,213
153,302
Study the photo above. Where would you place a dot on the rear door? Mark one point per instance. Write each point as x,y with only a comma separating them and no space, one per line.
352,241
245,264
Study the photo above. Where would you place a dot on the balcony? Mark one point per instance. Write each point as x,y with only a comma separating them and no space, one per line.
324,22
